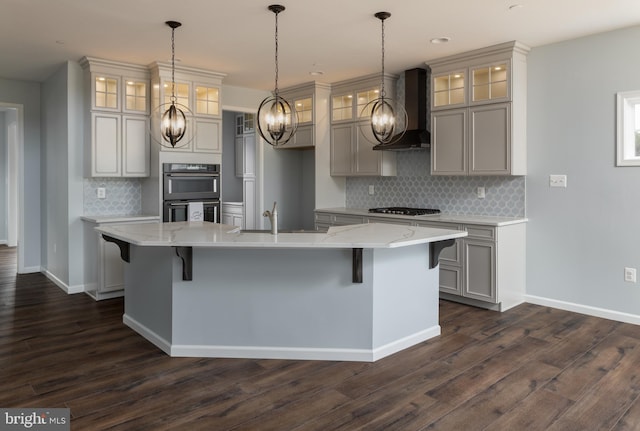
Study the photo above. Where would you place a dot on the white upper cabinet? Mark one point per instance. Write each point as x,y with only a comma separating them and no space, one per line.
199,94
478,112
117,123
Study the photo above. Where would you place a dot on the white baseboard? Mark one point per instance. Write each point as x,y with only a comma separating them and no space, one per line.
3,242
289,353
147,333
30,270
62,285
584,309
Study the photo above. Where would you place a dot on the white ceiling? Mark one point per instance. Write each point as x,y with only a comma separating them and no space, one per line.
338,37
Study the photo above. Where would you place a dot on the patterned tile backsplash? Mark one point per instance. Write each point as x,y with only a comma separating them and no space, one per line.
415,187
123,196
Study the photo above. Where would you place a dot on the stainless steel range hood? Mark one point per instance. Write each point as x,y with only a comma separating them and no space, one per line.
417,136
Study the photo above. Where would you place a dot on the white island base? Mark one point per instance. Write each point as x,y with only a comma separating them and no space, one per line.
357,293
283,303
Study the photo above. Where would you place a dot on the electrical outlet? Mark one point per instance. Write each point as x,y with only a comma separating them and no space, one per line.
371,189
558,181
101,193
480,193
630,274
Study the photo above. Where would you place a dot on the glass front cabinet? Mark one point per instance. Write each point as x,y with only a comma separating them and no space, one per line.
310,100
117,123
198,93
352,140
478,112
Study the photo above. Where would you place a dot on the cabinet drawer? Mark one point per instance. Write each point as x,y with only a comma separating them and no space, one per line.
343,219
450,279
323,218
439,225
484,232
389,220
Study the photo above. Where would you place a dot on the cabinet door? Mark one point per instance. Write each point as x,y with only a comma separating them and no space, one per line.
135,146
449,142
341,152
239,157
249,146
303,138
106,149
249,198
367,161
479,270
208,136
490,140
450,279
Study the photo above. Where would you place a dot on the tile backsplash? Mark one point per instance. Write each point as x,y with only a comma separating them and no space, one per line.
122,196
415,187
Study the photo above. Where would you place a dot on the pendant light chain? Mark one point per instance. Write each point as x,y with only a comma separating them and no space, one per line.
276,39
173,65
382,92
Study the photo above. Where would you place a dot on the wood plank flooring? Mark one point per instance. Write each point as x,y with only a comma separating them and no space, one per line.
530,368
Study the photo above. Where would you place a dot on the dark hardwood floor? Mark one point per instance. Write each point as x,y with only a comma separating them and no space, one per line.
531,368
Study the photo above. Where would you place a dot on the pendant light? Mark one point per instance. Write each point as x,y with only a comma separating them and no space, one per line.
277,119
386,123
174,122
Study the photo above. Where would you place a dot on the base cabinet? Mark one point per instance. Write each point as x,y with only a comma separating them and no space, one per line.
232,213
485,269
104,270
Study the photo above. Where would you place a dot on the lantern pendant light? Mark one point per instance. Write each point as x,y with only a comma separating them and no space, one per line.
277,119
387,124
174,122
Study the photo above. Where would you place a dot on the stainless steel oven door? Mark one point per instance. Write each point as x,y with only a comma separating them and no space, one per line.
191,186
178,211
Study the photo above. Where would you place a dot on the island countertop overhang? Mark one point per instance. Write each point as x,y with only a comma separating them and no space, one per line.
205,234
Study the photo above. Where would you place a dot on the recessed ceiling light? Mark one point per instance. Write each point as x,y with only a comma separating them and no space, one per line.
443,39
316,73
60,42
515,6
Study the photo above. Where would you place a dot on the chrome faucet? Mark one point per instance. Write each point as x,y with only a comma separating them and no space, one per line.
273,219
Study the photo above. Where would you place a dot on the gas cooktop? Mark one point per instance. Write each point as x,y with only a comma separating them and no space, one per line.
405,211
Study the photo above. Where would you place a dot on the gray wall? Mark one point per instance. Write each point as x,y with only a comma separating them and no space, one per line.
4,215
62,143
27,94
580,238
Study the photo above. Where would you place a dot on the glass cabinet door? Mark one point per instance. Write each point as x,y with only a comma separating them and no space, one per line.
135,96
106,92
207,100
449,89
181,91
249,123
490,82
364,97
304,108
342,107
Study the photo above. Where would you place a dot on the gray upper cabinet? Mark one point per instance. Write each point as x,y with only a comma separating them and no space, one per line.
352,151
478,118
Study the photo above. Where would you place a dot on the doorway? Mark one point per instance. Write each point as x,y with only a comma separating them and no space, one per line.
12,204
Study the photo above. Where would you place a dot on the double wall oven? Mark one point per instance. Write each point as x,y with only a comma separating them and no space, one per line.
185,183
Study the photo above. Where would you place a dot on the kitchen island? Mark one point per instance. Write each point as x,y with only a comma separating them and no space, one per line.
359,292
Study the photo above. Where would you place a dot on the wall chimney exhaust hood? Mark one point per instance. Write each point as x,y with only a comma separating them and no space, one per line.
417,136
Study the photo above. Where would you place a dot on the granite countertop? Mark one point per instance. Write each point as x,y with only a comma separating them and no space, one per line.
119,218
205,234
443,218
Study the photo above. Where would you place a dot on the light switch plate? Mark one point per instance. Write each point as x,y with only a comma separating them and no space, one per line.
558,181
480,192
101,193
371,189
